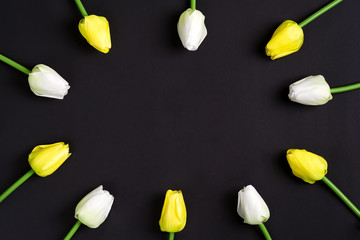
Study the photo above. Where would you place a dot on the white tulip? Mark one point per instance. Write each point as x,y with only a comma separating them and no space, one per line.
94,208
251,207
312,90
45,82
191,29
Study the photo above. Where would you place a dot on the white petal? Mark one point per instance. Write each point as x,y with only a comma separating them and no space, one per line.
191,29
46,82
94,208
251,207
312,90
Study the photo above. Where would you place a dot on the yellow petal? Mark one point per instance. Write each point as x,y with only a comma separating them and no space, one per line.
45,159
173,215
287,38
96,31
306,165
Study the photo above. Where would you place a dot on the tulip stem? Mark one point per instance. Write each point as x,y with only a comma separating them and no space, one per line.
73,230
16,185
193,4
342,196
81,8
264,231
319,12
14,64
345,88
171,235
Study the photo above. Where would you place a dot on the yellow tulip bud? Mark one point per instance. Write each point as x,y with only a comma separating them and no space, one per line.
96,31
45,159
287,38
173,214
306,165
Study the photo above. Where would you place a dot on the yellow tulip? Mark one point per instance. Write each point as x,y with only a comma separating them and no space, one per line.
306,165
45,159
173,215
96,31
287,38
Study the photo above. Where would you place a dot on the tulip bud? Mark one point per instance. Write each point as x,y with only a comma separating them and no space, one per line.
94,208
45,159
173,214
306,165
96,31
312,90
45,82
251,207
191,29
287,38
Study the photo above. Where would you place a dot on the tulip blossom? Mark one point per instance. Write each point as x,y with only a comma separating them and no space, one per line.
173,214
253,209
289,37
306,165
310,168
43,80
95,29
191,28
92,210
44,160
314,90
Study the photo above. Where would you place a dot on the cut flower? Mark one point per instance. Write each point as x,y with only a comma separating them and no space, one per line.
173,214
287,38
312,90
96,30
191,29
94,208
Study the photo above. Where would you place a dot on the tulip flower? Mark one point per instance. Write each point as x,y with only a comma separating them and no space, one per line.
289,37
43,80
95,29
44,160
306,165
310,168
253,209
314,90
92,210
191,28
173,214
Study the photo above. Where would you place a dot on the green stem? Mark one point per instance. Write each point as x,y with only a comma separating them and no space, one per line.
342,196
16,185
171,236
264,231
345,88
193,4
73,230
81,8
14,64
319,12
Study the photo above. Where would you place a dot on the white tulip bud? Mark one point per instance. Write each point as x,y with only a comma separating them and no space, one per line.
94,208
45,82
251,207
191,29
312,90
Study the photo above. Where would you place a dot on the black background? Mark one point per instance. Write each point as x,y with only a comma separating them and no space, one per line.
151,116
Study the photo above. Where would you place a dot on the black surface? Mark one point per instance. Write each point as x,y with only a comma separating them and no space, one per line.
151,116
